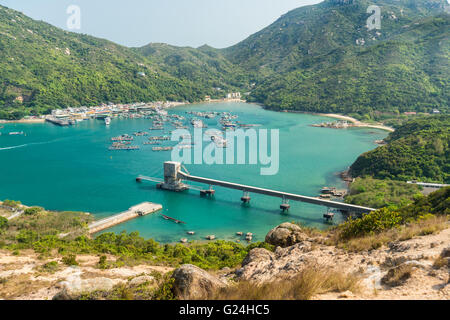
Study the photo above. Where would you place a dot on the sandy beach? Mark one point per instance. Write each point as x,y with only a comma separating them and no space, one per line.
357,123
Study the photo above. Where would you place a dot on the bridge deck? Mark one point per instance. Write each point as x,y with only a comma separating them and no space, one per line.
280,194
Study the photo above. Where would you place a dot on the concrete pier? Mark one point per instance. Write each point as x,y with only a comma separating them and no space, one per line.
132,213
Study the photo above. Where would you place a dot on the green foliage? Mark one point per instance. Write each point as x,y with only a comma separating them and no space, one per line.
374,222
417,150
11,203
47,68
307,60
42,233
33,211
103,263
50,267
423,208
165,290
3,223
70,260
376,193
437,203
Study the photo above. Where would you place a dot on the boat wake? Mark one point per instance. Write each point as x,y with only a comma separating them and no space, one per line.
27,145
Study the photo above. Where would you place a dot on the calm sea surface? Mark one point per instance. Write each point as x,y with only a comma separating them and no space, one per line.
72,169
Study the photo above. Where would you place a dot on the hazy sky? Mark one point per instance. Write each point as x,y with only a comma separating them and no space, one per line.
219,23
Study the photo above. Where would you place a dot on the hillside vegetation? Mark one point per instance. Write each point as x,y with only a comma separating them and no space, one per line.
417,150
319,58
376,193
43,67
322,58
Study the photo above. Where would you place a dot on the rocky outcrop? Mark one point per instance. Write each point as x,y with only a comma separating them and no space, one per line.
261,265
285,235
72,289
193,283
445,253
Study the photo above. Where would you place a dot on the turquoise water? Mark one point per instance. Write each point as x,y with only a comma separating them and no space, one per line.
72,169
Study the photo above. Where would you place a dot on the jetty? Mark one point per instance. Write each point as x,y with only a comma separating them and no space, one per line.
173,181
59,122
139,210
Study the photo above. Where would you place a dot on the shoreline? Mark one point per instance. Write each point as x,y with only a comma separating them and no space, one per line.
23,121
356,123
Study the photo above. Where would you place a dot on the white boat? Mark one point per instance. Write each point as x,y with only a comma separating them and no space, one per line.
16,133
107,121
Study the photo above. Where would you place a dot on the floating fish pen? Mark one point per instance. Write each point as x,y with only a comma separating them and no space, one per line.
141,133
124,137
197,123
160,138
123,147
152,143
162,148
242,125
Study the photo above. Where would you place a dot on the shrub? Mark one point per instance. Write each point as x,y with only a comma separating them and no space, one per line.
50,267
398,275
372,223
33,211
3,223
103,263
11,203
70,260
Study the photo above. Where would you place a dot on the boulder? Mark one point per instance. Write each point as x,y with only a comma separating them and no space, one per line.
193,283
285,235
445,253
72,289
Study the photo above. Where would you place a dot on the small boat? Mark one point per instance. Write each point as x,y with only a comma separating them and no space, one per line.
16,133
107,121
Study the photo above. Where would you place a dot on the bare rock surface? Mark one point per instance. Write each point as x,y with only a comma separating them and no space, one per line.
193,283
74,287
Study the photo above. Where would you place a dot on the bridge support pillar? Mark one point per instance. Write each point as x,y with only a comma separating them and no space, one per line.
246,197
285,206
210,192
329,215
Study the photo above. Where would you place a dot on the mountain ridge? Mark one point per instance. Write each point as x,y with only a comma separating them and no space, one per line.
314,58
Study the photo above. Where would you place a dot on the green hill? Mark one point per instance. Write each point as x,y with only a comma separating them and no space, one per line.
418,150
47,67
322,58
205,65
319,58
